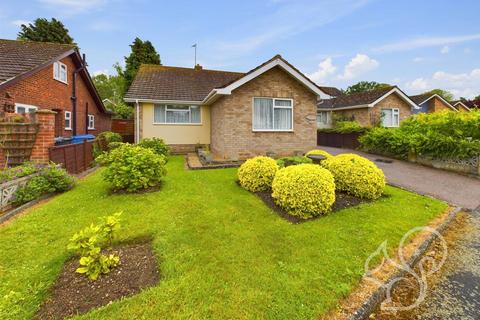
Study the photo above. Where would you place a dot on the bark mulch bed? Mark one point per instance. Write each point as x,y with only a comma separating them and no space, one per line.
74,293
342,201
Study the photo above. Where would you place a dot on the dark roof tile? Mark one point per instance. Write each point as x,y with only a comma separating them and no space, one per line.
354,99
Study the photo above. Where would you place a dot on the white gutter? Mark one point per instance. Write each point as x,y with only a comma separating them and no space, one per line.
137,127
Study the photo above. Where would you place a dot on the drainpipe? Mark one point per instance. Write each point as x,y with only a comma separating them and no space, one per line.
137,107
74,96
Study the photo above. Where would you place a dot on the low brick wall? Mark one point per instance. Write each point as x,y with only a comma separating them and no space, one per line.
182,148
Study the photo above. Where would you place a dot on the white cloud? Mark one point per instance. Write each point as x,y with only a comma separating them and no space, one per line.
325,69
359,65
418,59
75,6
460,84
445,50
296,17
423,42
19,22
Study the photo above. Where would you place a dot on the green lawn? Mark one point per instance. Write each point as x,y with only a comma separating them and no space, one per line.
222,253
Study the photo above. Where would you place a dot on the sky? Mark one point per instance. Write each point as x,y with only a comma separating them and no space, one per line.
417,45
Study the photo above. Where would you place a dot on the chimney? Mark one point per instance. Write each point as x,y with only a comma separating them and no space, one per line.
198,67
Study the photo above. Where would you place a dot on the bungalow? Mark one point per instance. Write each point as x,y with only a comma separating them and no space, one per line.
388,106
460,106
430,103
39,75
270,109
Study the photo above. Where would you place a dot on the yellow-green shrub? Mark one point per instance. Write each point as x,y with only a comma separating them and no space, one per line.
319,152
256,174
356,175
304,190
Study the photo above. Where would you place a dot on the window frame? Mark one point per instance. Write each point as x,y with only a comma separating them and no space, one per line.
328,117
28,108
69,113
91,118
273,115
190,123
58,65
394,111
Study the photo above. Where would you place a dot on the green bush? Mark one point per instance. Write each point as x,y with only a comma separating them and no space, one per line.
291,161
23,170
356,175
345,126
256,174
49,179
318,152
156,144
132,168
103,141
437,135
88,242
304,191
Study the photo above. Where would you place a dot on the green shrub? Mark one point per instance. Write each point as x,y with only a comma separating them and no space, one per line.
103,141
256,174
88,242
291,161
304,191
388,141
156,144
132,168
49,179
23,170
356,175
318,152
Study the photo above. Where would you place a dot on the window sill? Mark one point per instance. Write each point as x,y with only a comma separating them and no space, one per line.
68,129
64,82
91,129
272,130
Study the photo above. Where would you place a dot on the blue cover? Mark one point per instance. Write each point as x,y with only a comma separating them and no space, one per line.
81,138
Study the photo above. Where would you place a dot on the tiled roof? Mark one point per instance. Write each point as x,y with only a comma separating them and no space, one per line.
419,98
354,99
332,91
175,83
18,57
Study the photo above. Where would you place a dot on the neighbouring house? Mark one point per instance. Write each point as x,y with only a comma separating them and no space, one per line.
430,103
269,110
387,106
50,76
460,106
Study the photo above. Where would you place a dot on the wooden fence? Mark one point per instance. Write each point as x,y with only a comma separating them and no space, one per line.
125,127
75,158
339,140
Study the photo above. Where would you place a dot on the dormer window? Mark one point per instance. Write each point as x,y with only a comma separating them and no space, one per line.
60,71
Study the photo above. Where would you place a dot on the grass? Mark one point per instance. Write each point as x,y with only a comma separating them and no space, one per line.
222,253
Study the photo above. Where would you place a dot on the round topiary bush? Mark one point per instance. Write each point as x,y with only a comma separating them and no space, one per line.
132,168
256,174
356,175
304,190
318,152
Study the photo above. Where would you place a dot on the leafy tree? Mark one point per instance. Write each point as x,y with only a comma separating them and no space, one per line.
477,97
447,95
363,86
142,52
45,31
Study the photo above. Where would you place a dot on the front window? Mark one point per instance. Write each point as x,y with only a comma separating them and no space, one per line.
68,120
91,122
60,72
323,119
24,108
272,114
390,118
176,114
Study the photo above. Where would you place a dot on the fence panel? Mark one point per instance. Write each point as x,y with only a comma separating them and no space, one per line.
124,127
338,140
75,158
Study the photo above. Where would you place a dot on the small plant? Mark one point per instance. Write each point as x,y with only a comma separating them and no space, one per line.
304,191
256,174
156,144
88,242
356,175
292,161
23,170
132,168
318,152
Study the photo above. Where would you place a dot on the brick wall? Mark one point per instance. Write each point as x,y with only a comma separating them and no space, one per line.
41,90
45,136
437,105
231,117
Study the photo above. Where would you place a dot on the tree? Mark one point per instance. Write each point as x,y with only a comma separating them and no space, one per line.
477,97
142,52
447,95
363,86
45,31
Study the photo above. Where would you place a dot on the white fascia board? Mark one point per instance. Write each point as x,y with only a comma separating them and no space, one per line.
400,93
463,104
441,99
163,101
345,108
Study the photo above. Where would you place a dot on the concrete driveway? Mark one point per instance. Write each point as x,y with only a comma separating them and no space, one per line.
454,188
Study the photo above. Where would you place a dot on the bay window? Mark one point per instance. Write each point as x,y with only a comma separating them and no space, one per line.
271,114
176,114
391,118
